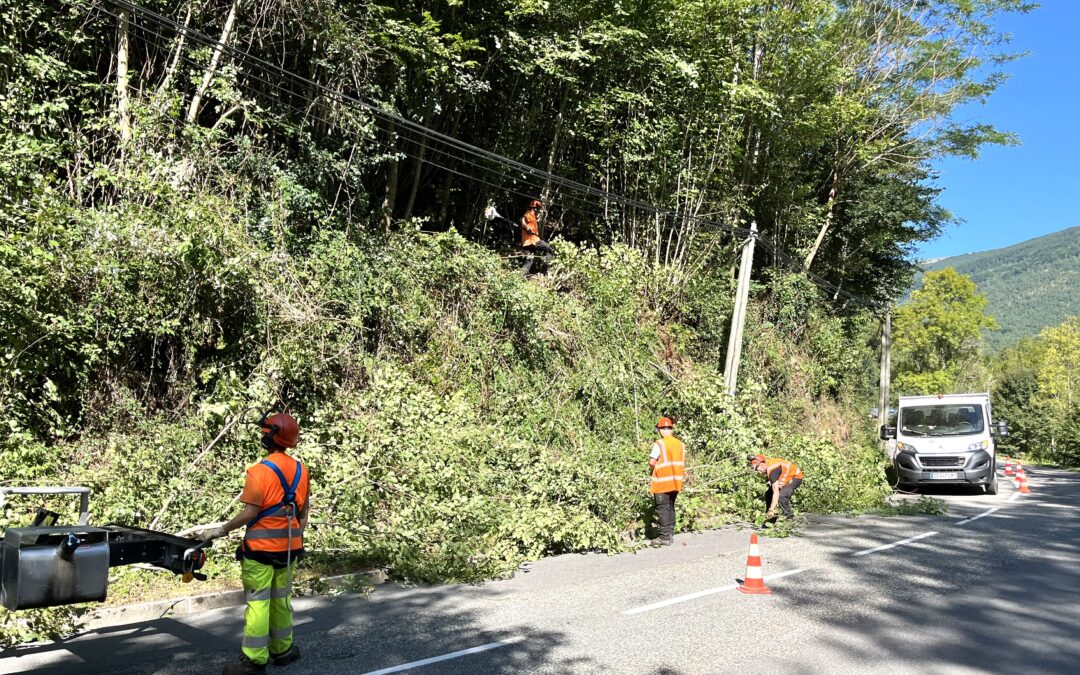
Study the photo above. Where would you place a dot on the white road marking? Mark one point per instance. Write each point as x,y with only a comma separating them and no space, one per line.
1014,496
446,657
981,515
707,591
1058,506
781,575
681,598
885,547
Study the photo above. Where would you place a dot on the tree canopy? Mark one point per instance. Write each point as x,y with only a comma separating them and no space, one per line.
939,335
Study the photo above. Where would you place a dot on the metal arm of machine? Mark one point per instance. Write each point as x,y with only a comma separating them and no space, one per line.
46,565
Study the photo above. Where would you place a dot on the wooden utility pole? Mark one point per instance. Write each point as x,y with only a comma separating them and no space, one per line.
738,315
886,369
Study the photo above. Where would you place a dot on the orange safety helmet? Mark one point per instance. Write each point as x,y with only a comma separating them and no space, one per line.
536,204
279,430
665,423
756,459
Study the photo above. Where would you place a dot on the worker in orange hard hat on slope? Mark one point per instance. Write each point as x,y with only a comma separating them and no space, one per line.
530,234
667,464
276,500
784,478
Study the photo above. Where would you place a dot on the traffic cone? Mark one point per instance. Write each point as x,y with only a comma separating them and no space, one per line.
753,583
1019,472
1008,467
1024,489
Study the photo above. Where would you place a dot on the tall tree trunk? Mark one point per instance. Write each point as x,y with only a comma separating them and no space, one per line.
170,72
215,58
123,102
546,194
414,187
447,188
830,209
390,195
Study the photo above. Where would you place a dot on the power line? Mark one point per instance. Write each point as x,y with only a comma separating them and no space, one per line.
585,206
396,122
401,122
416,155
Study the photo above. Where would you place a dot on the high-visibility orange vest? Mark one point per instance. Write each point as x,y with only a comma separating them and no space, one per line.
788,470
668,472
530,229
270,534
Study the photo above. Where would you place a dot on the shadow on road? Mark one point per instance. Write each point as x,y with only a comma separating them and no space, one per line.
1001,594
349,634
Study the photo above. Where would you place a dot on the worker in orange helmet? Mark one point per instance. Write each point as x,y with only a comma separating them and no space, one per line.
667,467
784,478
276,498
530,234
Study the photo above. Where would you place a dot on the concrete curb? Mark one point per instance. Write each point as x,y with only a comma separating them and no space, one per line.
107,617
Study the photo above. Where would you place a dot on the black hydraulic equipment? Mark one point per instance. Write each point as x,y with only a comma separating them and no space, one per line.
47,565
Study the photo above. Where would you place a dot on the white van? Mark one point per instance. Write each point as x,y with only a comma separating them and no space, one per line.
945,439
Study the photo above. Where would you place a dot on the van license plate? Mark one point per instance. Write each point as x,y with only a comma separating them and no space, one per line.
938,475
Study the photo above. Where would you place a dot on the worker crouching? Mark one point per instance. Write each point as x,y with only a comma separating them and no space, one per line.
276,499
667,466
784,478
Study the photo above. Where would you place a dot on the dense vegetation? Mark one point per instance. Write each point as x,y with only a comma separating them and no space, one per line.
189,236
1029,286
1037,389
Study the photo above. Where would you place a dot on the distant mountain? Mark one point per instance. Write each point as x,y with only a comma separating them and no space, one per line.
1030,285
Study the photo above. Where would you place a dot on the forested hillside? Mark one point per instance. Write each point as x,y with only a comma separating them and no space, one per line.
1030,286
211,209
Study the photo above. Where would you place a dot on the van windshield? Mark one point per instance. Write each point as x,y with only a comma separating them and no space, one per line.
942,420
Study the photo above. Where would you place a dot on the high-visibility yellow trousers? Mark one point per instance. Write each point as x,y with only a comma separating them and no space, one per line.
268,617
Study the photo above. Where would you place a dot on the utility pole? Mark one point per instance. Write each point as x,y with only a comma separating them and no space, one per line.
738,315
886,369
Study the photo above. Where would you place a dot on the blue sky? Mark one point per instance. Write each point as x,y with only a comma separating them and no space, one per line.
1010,194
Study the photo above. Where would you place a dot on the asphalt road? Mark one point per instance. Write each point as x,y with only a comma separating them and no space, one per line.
994,586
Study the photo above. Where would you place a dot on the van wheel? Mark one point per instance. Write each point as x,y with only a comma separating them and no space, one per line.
992,487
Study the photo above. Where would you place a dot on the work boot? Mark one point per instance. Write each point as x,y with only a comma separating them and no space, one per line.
666,541
245,667
286,658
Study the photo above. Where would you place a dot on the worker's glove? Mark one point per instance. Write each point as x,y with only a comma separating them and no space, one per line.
212,533
204,532
769,515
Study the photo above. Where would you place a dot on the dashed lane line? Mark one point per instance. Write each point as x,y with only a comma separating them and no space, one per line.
885,547
446,657
707,591
981,515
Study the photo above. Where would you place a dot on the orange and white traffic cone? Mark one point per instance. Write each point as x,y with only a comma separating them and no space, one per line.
754,583
1008,467
1024,489
1019,472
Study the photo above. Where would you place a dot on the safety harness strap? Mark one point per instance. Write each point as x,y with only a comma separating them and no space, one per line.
289,498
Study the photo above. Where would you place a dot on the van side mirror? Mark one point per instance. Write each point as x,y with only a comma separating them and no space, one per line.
1002,428
887,433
